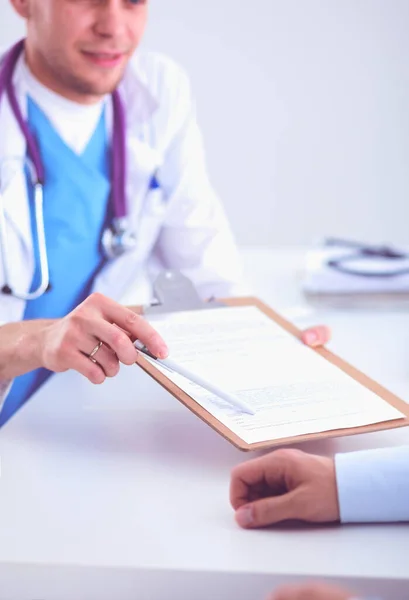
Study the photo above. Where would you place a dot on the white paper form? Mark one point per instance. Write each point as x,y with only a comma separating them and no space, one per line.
293,389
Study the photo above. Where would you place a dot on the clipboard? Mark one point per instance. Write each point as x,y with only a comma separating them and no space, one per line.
173,283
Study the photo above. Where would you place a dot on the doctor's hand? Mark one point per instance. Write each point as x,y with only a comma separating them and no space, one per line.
316,336
284,485
311,591
67,343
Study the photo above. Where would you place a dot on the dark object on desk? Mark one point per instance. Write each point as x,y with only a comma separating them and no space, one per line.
347,274
345,263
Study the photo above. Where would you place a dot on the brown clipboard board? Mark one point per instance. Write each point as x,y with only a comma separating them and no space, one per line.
224,431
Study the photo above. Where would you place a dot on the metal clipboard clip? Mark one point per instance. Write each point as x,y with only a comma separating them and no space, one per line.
174,292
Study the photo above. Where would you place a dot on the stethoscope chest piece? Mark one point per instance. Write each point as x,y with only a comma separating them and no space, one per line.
118,239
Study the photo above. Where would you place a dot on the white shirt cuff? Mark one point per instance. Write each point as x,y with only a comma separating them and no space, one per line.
373,485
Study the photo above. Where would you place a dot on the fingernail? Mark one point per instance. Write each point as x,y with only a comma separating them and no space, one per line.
163,351
244,516
311,338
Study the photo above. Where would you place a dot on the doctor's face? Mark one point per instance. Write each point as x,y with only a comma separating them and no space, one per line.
80,48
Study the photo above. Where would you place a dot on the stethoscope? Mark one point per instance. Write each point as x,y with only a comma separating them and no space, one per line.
116,239
395,261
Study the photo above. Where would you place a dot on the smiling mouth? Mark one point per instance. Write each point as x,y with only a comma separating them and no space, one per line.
105,59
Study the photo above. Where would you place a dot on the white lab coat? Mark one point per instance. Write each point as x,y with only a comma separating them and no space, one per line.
181,226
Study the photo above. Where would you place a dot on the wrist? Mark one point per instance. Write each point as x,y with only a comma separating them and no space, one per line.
326,481
29,344
21,347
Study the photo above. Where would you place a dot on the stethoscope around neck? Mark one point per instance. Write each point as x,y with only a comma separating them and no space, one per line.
116,239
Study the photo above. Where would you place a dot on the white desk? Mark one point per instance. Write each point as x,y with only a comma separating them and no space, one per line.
118,492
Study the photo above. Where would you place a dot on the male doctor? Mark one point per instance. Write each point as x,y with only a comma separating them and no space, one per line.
70,96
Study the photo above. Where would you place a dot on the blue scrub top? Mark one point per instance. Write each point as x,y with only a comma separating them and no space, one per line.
76,198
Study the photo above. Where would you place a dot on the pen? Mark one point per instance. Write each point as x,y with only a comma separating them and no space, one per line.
171,365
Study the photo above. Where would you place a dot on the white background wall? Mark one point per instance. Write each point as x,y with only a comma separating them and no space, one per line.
304,106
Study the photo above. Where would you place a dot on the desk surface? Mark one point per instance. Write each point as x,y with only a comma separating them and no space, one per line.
119,492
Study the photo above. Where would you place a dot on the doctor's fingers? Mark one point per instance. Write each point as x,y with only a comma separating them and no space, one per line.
117,341
82,364
104,364
129,321
316,336
103,356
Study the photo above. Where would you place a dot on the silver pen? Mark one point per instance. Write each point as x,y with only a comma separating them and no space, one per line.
171,365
